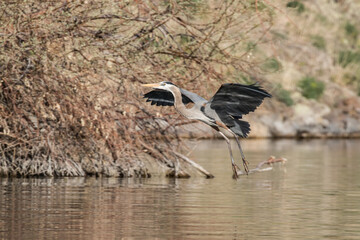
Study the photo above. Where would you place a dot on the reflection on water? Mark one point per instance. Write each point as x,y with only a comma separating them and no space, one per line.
315,195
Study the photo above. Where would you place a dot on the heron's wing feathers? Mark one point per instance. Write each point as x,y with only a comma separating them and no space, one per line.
193,97
239,127
237,99
164,98
232,101
160,97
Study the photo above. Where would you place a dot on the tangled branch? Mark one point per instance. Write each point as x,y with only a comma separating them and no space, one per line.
70,103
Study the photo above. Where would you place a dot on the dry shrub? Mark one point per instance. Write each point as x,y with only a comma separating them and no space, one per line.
70,102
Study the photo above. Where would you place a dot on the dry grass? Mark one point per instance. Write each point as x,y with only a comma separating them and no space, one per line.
310,43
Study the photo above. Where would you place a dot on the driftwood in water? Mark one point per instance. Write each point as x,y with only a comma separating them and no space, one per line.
195,165
259,168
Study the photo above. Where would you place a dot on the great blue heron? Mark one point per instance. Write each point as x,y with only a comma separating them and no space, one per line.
223,111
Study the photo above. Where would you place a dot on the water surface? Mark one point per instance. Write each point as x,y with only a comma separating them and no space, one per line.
315,195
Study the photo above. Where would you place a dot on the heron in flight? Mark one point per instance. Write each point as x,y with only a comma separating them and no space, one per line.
223,111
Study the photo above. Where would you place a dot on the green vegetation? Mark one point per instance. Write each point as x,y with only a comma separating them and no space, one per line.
283,95
318,42
250,46
243,78
311,88
352,78
191,8
271,65
351,31
347,57
296,4
253,4
279,35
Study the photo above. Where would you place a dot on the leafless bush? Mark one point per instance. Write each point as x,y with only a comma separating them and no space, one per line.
70,103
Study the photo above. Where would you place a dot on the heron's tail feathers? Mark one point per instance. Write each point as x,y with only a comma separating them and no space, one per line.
240,128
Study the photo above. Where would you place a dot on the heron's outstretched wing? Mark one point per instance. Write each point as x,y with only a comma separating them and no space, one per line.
237,99
165,98
232,101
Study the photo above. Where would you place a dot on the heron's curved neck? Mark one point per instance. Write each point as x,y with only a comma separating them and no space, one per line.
179,105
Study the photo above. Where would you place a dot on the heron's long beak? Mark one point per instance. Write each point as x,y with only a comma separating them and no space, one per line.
153,85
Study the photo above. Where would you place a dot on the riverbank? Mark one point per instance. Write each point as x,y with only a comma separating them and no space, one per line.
70,75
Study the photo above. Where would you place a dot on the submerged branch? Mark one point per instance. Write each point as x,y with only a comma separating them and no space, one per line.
194,164
259,168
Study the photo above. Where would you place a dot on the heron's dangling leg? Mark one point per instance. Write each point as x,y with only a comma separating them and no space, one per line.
245,163
235,168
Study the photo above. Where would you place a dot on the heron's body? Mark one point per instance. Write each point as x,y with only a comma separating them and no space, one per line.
224,110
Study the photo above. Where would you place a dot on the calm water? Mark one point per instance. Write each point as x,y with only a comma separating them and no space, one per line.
315,195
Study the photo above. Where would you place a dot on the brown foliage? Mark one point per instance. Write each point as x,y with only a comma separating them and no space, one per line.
70,103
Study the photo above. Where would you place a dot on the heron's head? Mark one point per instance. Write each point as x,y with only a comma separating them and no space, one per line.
165,85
